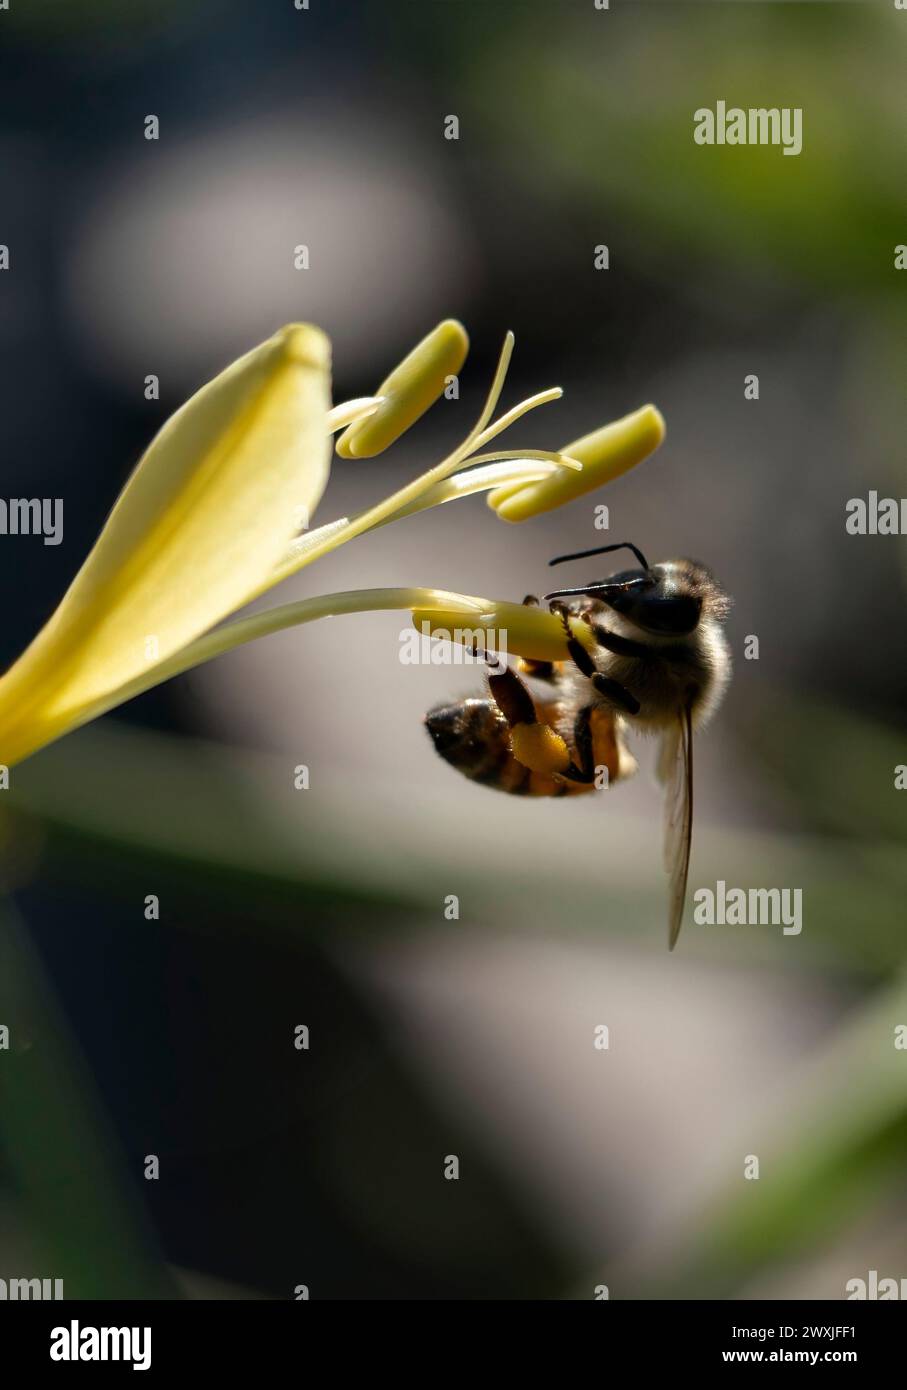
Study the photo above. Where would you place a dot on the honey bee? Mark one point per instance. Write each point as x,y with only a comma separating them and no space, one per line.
659,663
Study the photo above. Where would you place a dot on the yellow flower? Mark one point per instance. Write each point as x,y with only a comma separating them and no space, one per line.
210,510
408,392
216,513
604,454
516,628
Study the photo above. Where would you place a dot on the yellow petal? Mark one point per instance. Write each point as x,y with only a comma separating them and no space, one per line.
499,626
604,454
201,524
408,392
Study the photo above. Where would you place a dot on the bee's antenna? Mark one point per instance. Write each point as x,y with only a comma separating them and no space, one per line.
601,550
605,591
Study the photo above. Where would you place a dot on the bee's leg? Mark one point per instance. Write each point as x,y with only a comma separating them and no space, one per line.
578,654
615,692
613,642
541,670
533,743
512,698
582,738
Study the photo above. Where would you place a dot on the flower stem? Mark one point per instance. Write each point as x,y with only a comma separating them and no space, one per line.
242,630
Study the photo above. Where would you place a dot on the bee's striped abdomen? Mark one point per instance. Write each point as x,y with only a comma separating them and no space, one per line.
472,735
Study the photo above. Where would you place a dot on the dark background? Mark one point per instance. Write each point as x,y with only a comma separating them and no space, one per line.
130,257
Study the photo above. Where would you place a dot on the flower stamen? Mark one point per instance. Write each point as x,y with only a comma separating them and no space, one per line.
409,498
350,412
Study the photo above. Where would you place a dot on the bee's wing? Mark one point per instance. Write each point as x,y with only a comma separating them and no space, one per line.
675,769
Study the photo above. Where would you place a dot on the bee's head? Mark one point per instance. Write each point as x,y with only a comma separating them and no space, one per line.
666,600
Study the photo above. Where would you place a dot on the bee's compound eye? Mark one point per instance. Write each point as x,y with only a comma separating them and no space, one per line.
676,615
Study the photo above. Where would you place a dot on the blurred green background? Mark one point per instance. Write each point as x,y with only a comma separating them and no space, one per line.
325,907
